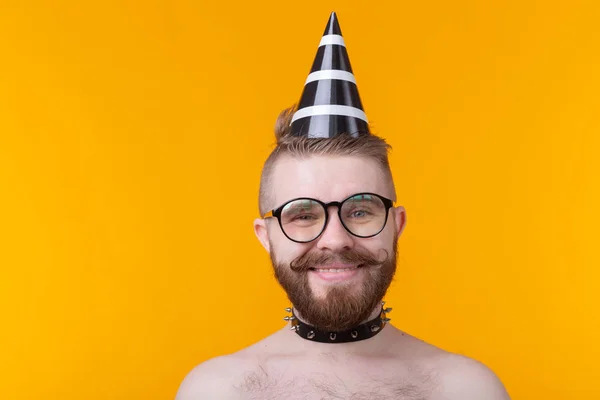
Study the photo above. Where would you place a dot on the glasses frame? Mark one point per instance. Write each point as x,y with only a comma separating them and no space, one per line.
276,213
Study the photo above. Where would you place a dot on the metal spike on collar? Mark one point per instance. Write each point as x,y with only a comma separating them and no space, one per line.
386,319
288,309
288,318
295,328
387,310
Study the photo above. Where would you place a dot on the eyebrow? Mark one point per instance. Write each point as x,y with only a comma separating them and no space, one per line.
347,197
306,203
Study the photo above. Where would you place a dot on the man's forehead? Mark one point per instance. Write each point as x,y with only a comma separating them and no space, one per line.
327,178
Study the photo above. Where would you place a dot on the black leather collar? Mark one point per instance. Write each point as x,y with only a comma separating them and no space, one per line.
361,332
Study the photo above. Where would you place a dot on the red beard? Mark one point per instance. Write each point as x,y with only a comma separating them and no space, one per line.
342,308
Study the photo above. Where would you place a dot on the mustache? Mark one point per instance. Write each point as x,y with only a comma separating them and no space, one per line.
360,257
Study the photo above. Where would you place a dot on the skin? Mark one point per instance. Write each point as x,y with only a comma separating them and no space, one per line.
390,365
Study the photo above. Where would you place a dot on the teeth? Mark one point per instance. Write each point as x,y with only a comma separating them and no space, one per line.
335,269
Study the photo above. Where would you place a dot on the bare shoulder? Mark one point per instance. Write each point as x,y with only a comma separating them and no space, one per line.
463,378
213,379
454,376
226,377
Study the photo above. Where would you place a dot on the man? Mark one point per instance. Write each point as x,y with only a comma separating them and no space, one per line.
331,228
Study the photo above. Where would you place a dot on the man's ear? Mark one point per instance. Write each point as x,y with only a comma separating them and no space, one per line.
260,230
399,219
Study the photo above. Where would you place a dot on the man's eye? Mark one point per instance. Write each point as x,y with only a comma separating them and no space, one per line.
360,213
304,217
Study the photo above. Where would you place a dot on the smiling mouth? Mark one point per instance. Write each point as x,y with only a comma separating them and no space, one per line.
345,269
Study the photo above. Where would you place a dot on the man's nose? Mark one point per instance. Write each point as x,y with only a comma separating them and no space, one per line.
335,237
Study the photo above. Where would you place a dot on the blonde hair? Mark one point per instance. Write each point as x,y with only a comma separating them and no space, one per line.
368,146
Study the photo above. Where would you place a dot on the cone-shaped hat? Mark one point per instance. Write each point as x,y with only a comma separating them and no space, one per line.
330,104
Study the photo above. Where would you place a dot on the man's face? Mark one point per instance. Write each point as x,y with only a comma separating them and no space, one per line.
336,281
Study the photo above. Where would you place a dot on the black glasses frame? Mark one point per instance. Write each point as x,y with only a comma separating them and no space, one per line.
276,213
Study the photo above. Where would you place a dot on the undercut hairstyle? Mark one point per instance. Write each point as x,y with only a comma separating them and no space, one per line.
302,147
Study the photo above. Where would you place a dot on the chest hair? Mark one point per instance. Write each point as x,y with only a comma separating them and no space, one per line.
263,385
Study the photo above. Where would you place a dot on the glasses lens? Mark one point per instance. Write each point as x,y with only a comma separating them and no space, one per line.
364,214
302,219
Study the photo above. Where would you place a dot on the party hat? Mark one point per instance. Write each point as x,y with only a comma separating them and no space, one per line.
330,104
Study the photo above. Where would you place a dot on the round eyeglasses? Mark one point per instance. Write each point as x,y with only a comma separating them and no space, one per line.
303,219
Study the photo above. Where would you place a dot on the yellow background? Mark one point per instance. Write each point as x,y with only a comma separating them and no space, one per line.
132,136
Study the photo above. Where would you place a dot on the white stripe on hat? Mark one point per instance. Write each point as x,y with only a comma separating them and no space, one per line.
332,39
330,109
330,74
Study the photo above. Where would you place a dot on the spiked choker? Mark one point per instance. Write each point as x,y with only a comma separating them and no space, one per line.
361,332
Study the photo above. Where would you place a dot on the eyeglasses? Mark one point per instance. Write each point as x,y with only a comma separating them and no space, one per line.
302,220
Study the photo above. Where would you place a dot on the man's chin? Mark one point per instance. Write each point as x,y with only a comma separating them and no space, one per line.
338,311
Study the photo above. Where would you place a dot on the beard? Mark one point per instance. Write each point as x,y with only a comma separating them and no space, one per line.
344,307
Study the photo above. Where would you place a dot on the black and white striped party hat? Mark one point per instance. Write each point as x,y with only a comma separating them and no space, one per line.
330,104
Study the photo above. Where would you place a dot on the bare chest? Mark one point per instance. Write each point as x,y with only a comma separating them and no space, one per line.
336,382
